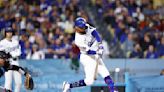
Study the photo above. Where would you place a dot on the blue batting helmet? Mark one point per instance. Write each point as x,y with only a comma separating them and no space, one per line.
80,22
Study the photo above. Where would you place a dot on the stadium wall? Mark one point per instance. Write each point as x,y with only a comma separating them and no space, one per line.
49,74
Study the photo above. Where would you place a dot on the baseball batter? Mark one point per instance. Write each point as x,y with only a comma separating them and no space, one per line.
91,49
12,47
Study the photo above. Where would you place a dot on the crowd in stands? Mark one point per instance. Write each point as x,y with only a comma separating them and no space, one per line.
44,28
138,25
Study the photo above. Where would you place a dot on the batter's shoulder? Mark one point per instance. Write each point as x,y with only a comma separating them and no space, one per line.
90,28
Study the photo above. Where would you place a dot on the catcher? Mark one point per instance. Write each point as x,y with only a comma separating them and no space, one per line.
5,66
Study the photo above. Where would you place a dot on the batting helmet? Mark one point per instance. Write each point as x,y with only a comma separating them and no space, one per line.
80,22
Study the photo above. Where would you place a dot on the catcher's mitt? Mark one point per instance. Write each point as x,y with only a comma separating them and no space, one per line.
29,83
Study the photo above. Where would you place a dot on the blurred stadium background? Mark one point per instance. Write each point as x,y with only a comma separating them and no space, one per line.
132,32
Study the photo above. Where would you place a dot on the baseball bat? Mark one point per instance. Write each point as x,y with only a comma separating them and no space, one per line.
96,69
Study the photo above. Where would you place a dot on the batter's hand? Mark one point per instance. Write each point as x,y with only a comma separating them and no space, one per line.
100,52
101,46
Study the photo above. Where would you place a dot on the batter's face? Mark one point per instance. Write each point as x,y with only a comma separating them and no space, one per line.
80,30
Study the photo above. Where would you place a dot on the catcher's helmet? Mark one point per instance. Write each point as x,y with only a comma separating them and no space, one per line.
80,22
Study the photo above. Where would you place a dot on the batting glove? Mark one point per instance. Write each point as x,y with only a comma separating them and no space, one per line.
100,51
101,46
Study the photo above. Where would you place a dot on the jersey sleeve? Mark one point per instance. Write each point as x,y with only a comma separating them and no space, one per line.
93,32
90,28
96,35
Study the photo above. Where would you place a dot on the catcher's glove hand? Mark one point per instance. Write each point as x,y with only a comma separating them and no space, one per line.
29,83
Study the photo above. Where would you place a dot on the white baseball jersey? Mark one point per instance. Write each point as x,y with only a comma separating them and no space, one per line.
86,41
11,47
